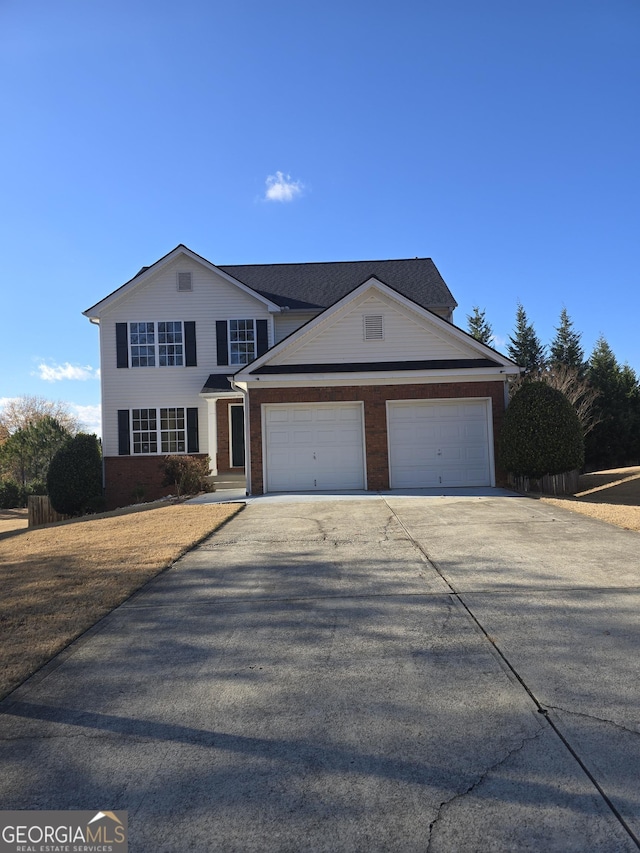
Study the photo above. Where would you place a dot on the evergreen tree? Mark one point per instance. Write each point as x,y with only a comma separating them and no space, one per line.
478,327
27,453
525,347
630,384
74,480
565,347
614,440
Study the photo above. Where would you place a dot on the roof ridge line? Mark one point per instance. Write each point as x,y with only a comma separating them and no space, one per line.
323,263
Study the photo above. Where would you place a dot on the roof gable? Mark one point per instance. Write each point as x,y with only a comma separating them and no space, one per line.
410,334
146,275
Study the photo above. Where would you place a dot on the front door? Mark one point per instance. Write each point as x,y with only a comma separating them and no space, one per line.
237,436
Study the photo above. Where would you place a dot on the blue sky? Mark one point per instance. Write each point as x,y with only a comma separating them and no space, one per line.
500,139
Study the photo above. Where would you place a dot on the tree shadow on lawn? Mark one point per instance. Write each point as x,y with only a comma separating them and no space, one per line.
620,486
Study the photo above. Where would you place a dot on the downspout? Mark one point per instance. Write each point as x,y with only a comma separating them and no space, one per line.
247,432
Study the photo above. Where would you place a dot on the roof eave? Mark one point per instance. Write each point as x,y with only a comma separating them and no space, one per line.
252,380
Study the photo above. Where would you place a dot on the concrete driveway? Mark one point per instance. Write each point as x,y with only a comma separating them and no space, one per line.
389,674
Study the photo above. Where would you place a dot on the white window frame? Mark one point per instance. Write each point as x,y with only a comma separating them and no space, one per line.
142,344
254,332
156,349
166,430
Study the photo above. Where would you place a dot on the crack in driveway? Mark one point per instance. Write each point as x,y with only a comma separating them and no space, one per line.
542,709
461,794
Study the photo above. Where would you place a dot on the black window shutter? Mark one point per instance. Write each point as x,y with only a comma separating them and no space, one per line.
190,357
221,340
262,336
124,441
192,431
122,345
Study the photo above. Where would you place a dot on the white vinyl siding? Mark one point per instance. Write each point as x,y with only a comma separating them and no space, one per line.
313,446
439,443
407,336
212,298
288,322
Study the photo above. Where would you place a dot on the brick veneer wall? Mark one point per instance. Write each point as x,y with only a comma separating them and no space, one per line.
125,474
224,440
374,398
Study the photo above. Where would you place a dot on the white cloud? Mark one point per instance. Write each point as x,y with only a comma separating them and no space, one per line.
281,187
89,416
58,372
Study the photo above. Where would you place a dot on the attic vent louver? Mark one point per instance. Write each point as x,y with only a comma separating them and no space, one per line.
184,281
373,327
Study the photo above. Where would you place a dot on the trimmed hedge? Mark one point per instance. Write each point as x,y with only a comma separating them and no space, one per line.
74,481
541,433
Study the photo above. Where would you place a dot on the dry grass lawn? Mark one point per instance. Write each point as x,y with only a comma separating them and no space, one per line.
612,496
59,580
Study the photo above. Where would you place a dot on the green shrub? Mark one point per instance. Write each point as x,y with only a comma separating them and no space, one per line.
74,480
541,433
97,503
187,474
12,495
37,487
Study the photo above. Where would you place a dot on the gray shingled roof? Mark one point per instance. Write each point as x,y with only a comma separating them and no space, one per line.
318,285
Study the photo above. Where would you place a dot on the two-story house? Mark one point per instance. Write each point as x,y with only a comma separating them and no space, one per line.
346,375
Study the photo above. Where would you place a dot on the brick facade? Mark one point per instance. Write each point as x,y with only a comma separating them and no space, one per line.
132,479
374,398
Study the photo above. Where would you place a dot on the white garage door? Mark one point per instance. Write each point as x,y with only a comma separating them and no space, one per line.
313,446
439,443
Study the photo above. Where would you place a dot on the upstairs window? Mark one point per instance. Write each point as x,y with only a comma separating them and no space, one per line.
242,341
170,350
162,344
143,344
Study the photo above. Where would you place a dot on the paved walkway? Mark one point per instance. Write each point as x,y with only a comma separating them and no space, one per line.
389,674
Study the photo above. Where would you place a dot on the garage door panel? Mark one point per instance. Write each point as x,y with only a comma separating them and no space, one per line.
313,446
439,444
